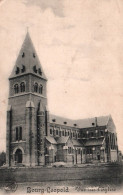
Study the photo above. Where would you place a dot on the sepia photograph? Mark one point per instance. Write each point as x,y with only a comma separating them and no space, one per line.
61,112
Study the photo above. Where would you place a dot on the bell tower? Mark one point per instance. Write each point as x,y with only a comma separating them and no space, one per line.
27,94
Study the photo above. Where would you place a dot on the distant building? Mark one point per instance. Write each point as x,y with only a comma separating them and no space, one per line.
35,137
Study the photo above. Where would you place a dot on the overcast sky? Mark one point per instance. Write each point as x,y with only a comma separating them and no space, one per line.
80,46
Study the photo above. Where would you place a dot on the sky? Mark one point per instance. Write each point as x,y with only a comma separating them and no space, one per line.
79,44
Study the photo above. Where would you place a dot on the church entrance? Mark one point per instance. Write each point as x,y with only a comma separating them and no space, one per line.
18,156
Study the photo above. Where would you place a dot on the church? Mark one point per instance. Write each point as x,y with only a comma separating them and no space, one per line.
35,137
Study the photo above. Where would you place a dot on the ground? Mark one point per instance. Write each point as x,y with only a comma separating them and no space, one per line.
42,180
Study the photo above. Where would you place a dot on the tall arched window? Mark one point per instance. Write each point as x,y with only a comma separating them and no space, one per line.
56,131
22,87
20,136
16,88
36,87
51,131
18,133
40,89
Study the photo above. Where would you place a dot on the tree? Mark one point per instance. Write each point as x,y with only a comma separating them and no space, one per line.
2,158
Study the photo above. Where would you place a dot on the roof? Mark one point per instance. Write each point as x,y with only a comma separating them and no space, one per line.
51,140
76,143
94,142
40,107
93,122
27,60
30,104
81,123
62,140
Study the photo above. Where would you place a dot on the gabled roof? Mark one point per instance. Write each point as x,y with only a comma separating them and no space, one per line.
111,126
94,142
81,123
62,140
93,122
27,60
51,140
61,120
76,143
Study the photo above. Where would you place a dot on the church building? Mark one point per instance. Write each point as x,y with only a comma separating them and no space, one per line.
34,137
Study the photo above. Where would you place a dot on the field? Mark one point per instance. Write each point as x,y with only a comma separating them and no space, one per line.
74,179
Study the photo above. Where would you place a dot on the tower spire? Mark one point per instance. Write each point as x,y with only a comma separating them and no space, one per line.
27,60
27,28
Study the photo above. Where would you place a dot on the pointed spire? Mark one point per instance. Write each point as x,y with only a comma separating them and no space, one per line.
27,28
27,60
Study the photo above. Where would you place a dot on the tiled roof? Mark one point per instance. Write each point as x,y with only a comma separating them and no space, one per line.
91,122
51,140
62,140
81,123
27,58
76,143
94,142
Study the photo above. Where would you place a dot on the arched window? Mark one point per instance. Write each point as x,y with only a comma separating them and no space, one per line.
51,131
46,151
71,134
17,70
35,69
23,55
79,151
23,68
113,140
22,87
56,132
39,70
18,133
60,133
16,88
102,133
65,133
40,89
36,87
92,134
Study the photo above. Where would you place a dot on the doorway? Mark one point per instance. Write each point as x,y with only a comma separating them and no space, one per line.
18,156
98,156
